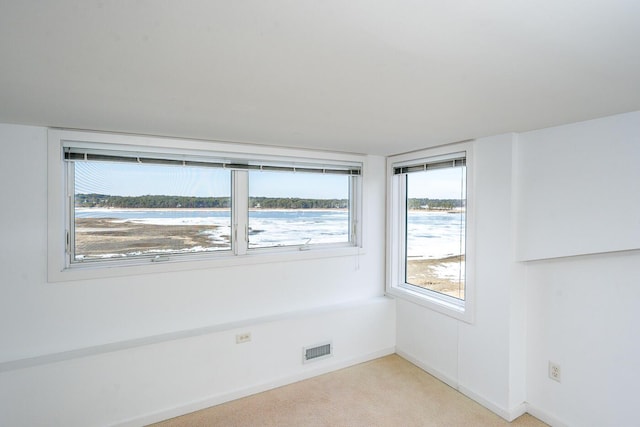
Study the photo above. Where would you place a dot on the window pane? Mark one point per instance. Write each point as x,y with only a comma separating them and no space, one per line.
128,210
435,243
288,208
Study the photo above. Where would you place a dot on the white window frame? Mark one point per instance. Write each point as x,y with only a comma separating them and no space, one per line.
60,267
396,234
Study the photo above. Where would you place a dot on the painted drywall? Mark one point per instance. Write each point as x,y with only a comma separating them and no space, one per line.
475,357
150,383
579,188
581,310
44,320
583,315
485,346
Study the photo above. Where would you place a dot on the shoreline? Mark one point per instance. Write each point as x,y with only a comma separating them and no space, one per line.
444,211
97,237
431,274
208,209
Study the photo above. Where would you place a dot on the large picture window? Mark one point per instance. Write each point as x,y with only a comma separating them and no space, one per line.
429,229
118,201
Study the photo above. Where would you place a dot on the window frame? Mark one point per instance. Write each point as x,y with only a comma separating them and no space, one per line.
396,233
60,205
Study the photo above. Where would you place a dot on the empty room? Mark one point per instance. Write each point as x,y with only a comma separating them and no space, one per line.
319,213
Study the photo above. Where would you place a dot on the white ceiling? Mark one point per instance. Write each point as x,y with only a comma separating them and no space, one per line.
365,76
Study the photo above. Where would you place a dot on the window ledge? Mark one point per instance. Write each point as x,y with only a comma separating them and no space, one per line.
100,270
459,310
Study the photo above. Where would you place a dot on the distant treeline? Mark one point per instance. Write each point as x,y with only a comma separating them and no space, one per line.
296,203
158,202
435,203
149,202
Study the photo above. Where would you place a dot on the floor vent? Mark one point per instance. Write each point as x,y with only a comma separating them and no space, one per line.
316,352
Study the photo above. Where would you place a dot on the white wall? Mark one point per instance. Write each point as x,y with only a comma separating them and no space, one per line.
477,358
583,315
582,310
579,188
95,352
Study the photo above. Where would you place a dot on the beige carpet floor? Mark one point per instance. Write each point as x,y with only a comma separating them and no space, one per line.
384,392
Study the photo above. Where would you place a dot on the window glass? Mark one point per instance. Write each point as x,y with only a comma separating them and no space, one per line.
125,210
435,240
297,208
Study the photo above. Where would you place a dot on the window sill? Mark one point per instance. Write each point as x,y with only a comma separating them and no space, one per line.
279,255
457,309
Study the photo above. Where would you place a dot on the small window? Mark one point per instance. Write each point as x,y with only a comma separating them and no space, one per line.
297,208
435,233
429,215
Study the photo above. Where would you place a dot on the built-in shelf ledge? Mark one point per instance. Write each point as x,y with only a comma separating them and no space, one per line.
178,335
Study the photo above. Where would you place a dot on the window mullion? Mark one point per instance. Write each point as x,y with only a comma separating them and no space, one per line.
402,229
355,213
240,211
70,214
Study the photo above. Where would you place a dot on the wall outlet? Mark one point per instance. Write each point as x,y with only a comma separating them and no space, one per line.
244,337
554,371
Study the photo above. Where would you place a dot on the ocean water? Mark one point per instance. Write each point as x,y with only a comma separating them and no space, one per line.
434,235
273,228
437,235
431,234
267,228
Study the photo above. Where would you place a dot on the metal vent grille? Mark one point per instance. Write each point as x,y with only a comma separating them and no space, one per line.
316,352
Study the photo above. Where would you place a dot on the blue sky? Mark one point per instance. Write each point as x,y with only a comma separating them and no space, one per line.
299,184
437,183
127,179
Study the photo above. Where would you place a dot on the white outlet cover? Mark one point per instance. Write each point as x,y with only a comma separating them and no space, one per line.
242,338
554,371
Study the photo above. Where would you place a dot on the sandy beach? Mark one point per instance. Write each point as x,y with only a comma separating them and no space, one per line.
423,272
96,237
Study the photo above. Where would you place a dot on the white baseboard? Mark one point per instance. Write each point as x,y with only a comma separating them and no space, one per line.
544,416
518,411
507,414
248,391
451,382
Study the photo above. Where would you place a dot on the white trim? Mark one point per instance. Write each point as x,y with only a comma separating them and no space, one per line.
57,263
228,260
518,411
545,417
240,221
427,159
182,145
451,382
463,310
505,413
